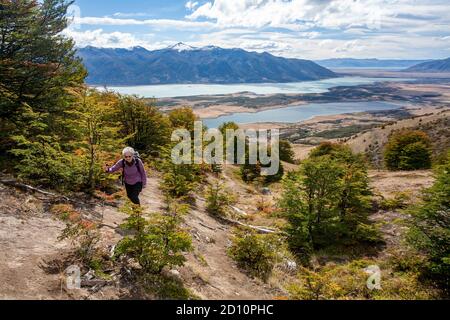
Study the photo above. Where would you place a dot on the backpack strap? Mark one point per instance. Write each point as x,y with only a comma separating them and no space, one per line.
122,177
136,161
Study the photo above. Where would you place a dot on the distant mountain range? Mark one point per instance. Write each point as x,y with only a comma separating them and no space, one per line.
367,63
431,66
184,64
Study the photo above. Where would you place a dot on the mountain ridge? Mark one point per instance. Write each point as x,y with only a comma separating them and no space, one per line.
185,64
437,66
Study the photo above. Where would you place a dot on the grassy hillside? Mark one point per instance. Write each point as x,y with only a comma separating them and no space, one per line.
435,125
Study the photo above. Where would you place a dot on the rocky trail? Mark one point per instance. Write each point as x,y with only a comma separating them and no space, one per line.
33,267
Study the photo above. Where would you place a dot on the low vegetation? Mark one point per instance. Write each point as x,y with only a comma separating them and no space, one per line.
157,242
286,152
430,228
255,253
218,199
408,150
327,200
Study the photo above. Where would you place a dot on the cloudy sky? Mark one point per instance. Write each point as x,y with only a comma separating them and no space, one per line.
310,29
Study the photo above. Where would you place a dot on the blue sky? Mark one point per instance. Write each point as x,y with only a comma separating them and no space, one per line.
310,29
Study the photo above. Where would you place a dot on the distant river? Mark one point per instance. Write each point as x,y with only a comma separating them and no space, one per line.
303,112
184,90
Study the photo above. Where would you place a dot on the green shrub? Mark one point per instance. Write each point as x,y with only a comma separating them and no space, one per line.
217,200
179,180
157,241
367,233
255,253
286,152
430,228
407,261
349,281
328,199
45,163
331,282
399,201
252,172
408,150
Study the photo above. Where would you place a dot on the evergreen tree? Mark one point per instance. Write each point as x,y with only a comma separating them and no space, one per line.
37,65
286,152
147,129
38,72
430,228
327,200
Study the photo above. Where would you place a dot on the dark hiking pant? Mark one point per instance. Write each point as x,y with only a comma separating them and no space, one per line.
133,192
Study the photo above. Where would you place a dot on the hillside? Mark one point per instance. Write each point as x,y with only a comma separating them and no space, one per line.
431,66
36,259
436,125
183,64
208,273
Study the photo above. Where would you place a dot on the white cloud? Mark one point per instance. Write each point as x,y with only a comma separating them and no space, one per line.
161,23
312,29
342,14
99,38
191,5
131,14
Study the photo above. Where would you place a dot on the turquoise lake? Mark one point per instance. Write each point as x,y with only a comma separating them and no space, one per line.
302,112
185,90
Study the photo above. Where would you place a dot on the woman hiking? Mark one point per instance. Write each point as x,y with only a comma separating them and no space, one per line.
133,174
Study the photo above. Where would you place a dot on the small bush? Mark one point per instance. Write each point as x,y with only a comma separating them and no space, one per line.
331,282
82,233
179,180
367,233
399,201
408,150
254,252
217,200
158,241
349,281
286,152
430,229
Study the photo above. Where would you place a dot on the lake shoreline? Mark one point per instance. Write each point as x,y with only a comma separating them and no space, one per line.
398,92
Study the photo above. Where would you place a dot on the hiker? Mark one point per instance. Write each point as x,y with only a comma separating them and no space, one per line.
133,173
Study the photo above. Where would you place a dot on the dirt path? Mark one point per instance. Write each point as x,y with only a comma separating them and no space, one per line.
28,239
208,272
29,244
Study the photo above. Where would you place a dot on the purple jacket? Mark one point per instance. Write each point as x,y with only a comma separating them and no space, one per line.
131,174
